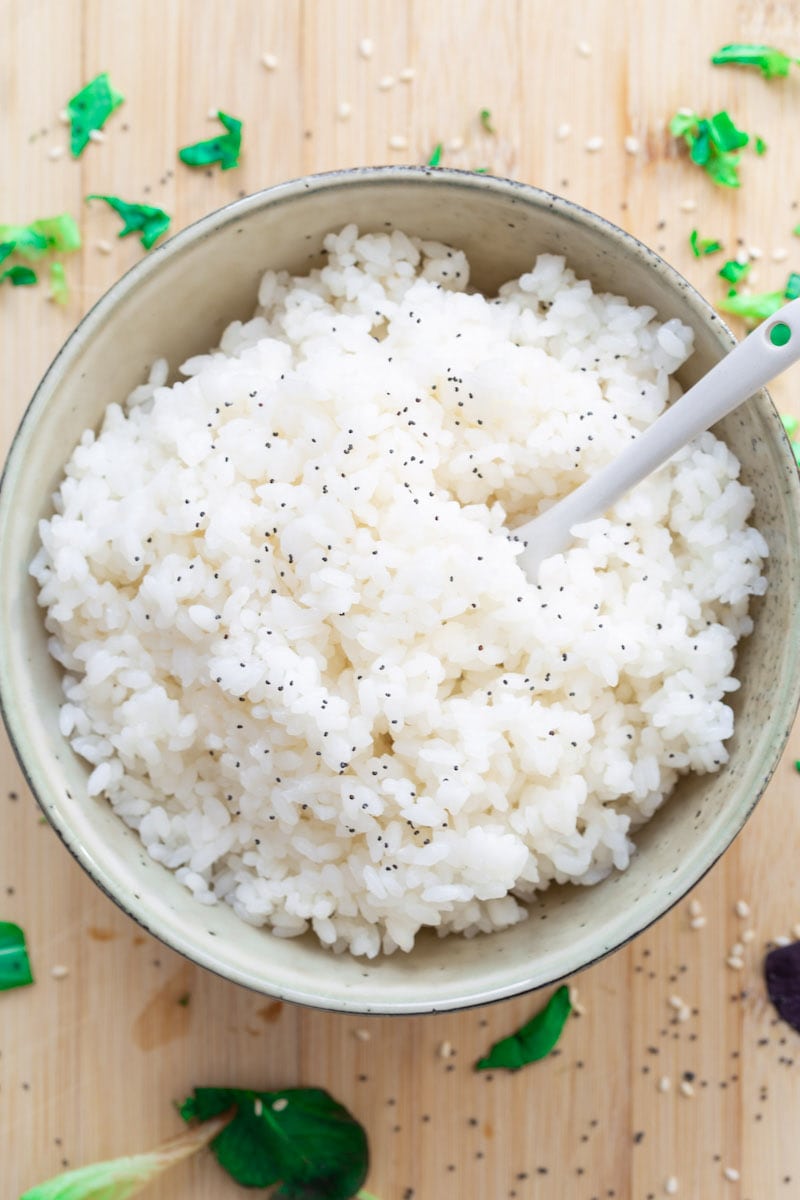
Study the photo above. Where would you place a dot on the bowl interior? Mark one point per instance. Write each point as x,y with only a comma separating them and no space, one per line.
176,303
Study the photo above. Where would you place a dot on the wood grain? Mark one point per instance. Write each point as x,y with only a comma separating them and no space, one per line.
90,1063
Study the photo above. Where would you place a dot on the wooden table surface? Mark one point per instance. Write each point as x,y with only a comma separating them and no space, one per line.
91,1062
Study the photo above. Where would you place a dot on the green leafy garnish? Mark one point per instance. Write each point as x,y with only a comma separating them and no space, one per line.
223,149
703,246
40,237
19,276
534,1040
789,423
120,1178
752,308
792,289
138,218
436,155
712,143
15,967
759,145
772,63
481,171
796,231
58,283
89,109
300,1138
486,120
733,271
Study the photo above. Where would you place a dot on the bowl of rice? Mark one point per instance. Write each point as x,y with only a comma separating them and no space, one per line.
268,659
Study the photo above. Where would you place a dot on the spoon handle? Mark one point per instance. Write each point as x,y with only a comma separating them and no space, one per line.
767,351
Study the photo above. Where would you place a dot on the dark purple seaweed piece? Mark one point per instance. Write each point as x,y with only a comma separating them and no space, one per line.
782,973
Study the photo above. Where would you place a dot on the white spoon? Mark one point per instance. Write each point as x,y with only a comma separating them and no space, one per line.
767,351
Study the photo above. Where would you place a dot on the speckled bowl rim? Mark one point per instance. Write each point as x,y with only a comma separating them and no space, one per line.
86,329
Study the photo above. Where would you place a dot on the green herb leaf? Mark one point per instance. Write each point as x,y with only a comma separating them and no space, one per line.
534,1040
15,967
724,133
223,149
796,231
792,289
138,218
486,120
772,63
120,1178
712,142
753,308
733,271
789,423
19,276
759,145
5,250
436,156
481,171
701,247
40,237
89,109
300,1137
58,283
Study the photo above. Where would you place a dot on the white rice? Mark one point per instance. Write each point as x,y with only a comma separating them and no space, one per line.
298,650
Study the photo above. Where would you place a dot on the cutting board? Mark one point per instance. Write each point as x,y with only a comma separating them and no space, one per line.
94,1054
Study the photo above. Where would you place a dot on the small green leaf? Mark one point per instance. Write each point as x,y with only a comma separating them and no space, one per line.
138,218
40,237
481,171
5,250
15,967
299,1137
789,423
759,145
436,155
486,120
792,289
772,63
702,247
89,109
58,283
733,271
724,133
121,1178
534,1040
724,170
753,308
223,149
682,123
796,231
19,276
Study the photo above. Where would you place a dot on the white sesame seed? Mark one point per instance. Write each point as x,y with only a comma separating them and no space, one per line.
211,115
574,1000
685,112
55,152
407,74
742,909
683,1014
796,932
445,1050
780,254
270,61
593,144
632,145
698,922
688,205
748,935
398,142
258,1106
584,49
732,1174
362,1035
59,972
782,940
386,83
675,1002
737,950
454,145
755,252
664,1083
96,135
686,1088
743,258
64,117
280,1104
344,110
366,47
563,131
671,1186
103,246
695,908
735,963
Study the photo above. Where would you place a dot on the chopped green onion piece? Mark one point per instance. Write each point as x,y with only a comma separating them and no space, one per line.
481,171
796,231
138,218
759,145
15,967
712,142
792,289
486,120
436,156
701,247
733,271
5,250
121,1178
789,423
772,63
58,283
724,133
753,308
48,233
223,149
19,276
534,1040
89,109
797,764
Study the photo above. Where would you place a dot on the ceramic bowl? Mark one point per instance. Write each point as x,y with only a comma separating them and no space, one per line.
175,303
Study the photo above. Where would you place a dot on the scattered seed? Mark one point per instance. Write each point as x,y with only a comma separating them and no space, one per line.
683,1014
781,940
59,971
796,932
280,1104
407,74
748,935
455,144
688,205
671,1186
732,1174
584,49
735,963
780,254
737,950
742,908
563,131
686,1088
366,47
96,135
574,1000
103,246
211,115
64,117
664,1083
270,61
398,142
695,908
344,110
258,1106
593,144
445,1050
676,1002
632,145
698,923
362,1035
755,252
385,84
55,152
